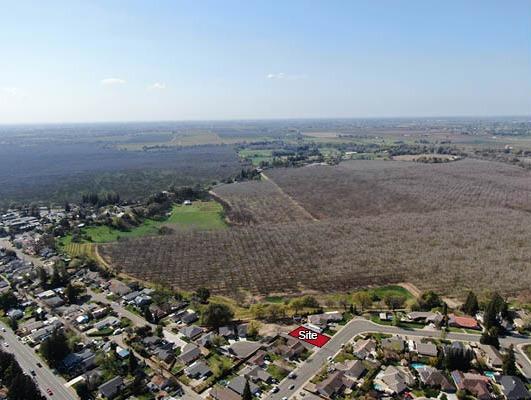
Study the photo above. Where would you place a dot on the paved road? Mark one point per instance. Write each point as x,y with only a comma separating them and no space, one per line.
358,326
135,319
28,360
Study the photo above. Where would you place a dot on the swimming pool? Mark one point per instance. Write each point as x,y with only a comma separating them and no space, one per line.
490,375
418,365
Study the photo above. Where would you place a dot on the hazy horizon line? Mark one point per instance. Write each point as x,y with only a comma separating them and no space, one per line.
101,122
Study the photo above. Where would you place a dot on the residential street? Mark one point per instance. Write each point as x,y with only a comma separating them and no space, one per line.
28,360
358,326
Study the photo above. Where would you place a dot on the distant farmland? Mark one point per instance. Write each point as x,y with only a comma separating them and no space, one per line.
448,227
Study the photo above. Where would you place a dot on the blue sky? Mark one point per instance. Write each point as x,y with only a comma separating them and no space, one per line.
78,61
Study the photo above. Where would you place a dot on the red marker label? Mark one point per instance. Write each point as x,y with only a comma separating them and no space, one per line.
309,336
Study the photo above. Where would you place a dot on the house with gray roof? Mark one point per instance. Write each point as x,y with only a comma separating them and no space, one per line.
198,370
111,388
237,384
190,352
243,349
513,388
191,332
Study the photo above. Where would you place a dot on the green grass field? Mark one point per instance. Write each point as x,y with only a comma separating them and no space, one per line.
256,156
198,216
391,290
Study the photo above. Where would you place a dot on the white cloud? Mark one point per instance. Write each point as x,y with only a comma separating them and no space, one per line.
282,75
112,81
157,86
12,93
279,75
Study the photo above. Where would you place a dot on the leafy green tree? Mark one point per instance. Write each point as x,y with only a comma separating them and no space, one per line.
216,315
471,306
22,387
159,331
363,299
509,362
203,294
394,302
83,391
55,348
429,300
8,301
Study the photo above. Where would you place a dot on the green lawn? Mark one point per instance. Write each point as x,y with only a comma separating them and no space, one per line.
256,156
392,290
276,372
199,215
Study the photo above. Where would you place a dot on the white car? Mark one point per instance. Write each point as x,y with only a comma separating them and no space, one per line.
6,344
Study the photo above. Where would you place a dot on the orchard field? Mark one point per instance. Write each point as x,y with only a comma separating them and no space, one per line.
449,227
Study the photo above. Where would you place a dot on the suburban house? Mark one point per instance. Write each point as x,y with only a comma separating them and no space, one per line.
191,332
198,370
206,339
292,348
513,388
427,349
476,384
434,378
492,356
237,384
333,384
243,349
158,382
190,352
393,380
365,348
352,369
82,360
258,358
463,322
222,393
111,388
322,320
256,374
425,317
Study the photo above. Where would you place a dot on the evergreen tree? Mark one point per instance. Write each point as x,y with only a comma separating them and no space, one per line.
247,395
147,314
490,319
71,293
56,280
13,324
509,363
471,306
490,337
132,363
43,276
